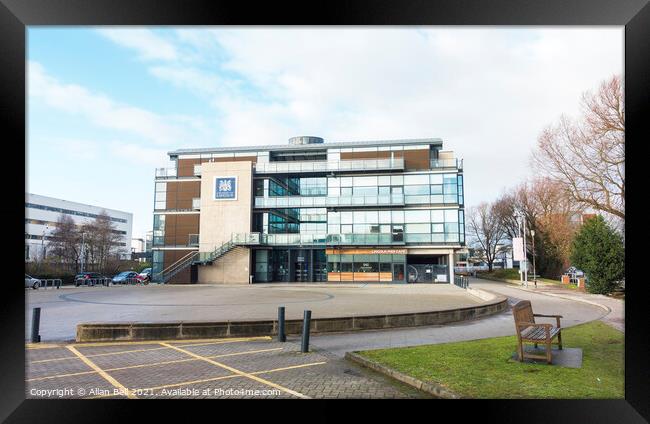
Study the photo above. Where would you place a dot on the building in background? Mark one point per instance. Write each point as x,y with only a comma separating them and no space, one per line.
370,211
141,248
43,212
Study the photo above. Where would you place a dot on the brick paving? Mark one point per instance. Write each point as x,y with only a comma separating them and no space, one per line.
248,368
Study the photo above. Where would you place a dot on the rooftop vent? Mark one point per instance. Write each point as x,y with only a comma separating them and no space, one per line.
305,140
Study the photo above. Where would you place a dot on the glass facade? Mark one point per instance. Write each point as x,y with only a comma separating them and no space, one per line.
318,212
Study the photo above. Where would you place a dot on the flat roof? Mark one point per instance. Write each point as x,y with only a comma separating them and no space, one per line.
315,146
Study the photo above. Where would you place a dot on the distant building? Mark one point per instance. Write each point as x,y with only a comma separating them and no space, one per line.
42,214
141,248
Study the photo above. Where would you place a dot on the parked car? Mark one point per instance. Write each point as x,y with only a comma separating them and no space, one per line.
81,279
125,277
32,282
143,279
146,273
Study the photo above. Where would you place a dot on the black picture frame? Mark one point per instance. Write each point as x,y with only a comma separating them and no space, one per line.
16,15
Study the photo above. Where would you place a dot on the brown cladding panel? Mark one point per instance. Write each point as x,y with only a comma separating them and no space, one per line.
179,227
186,167
181,193
416,159
366,155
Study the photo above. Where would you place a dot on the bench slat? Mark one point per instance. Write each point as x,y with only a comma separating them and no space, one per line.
538,333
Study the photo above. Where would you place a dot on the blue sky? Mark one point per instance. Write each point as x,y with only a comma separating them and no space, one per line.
106,103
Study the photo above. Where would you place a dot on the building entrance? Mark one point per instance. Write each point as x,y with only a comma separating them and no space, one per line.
426,269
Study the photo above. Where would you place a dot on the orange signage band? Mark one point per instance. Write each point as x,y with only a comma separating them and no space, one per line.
365,251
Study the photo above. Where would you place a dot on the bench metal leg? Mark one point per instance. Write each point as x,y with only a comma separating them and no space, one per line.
559,340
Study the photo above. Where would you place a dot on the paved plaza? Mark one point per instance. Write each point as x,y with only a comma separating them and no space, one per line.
62,310
260,366
227,368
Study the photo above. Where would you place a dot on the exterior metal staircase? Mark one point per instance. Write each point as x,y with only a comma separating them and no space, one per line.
207,258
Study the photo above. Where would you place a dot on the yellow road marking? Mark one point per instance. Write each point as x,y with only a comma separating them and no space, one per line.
289,368
236,371
153,364
223,377
217,341
36,346
127,343
101,372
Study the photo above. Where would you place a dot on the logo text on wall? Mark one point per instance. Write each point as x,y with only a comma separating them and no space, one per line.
225,188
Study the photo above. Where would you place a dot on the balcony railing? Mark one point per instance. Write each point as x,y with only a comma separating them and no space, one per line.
364,239
298,201
330,166
447,163
166,173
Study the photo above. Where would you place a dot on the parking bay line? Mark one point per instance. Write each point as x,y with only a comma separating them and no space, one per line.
236,371
189,341
224,377
217,341
150,364
101,372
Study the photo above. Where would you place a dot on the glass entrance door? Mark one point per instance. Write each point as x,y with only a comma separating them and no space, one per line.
398,272
302,272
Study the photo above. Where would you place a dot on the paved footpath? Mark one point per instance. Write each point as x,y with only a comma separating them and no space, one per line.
615,317
574,312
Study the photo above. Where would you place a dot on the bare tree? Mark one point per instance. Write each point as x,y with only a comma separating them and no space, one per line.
588,156
486,231
66,242
102,242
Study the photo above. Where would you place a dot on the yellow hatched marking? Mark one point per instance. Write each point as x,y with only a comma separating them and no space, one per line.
149,364
217,341
224,377
128,343
242,373
101,372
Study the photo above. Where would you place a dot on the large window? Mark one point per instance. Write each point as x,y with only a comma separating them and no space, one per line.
411,226
158,230
160,201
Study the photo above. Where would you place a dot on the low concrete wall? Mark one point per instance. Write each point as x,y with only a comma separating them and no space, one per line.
129,331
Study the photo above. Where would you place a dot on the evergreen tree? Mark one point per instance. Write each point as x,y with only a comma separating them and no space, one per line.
598,250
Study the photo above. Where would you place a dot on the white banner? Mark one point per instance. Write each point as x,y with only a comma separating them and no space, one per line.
518,249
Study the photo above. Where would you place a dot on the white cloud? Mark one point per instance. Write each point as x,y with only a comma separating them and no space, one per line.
139,155
145,42
102,110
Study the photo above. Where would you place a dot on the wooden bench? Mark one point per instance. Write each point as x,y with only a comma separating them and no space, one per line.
531,332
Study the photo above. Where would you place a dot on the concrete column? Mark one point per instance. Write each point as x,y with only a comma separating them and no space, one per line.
451,267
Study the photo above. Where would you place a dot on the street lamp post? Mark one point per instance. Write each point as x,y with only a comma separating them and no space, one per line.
532,234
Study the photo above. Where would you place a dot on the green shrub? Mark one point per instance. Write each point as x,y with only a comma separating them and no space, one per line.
599,251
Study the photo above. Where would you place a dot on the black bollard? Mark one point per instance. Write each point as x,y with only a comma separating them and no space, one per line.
282,336
304,347
36,324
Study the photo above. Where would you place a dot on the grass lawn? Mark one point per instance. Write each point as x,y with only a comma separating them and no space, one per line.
484,368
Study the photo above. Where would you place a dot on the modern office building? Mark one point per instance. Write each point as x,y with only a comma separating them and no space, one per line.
43,212
386,211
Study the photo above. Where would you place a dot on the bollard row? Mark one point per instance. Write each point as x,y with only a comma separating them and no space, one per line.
306,324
